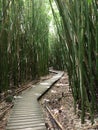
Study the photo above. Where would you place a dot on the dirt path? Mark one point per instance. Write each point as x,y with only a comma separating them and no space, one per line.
60,99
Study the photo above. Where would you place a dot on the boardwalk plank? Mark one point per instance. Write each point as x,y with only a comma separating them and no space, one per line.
27,113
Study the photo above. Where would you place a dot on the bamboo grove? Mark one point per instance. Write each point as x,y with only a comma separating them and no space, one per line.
23,41
24,46
78,38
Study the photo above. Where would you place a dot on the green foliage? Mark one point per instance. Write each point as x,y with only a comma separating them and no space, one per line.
79,36
89,1
57,47
23,41
9,98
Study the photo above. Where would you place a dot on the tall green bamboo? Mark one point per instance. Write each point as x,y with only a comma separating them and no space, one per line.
23,41
80,39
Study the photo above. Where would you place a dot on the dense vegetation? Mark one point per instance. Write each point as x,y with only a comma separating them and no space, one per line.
23,41
25,45
78,36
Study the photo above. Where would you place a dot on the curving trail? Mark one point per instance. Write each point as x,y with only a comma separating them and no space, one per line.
27,113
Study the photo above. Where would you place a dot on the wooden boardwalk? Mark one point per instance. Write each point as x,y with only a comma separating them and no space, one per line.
27,113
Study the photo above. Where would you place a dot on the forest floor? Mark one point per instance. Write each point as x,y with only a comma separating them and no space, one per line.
60,100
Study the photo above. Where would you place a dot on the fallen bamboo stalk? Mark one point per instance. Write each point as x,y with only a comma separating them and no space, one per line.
54,118
4,112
